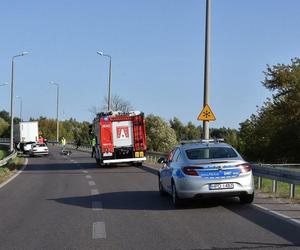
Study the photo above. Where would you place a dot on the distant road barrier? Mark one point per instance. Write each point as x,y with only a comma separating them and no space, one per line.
4,140
73,145
276,172
7,158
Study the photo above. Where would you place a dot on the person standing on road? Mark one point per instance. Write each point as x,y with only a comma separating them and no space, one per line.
93,143
63,143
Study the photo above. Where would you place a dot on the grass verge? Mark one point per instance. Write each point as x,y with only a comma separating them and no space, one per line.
3,153
11,168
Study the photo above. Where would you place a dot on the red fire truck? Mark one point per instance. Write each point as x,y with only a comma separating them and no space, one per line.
120,137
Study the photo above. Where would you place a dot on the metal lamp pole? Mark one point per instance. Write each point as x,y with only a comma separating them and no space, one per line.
21,106
12,100
207,67
109,80
57,103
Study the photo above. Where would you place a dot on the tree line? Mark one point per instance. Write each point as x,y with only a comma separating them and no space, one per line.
272,135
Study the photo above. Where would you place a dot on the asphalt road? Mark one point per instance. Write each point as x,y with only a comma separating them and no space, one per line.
65,202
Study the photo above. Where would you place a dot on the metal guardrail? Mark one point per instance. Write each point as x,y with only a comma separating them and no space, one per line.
4,140
276,172
7,158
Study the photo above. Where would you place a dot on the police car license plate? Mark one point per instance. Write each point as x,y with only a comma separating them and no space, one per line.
217,186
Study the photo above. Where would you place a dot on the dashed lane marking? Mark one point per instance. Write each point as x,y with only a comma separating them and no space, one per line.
84,171
99,231
97,205
92,183
94,191
88,177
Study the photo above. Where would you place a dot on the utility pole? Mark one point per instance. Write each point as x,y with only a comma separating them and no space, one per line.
57,105
207,67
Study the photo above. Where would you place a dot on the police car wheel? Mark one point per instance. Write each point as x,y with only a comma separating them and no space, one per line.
176,201
246,198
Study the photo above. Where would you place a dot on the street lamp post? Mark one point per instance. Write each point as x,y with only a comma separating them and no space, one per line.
109,80
21,106
57,103
12,99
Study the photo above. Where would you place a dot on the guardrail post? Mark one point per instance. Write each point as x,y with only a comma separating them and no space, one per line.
259,184
292,191
274,186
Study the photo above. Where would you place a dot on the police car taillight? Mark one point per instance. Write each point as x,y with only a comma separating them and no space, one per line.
245,167
190,171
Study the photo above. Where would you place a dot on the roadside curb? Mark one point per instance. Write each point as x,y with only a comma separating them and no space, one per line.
15,175
150,169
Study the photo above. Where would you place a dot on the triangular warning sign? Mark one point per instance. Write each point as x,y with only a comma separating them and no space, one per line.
206,114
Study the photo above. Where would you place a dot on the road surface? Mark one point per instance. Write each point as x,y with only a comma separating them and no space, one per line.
65,202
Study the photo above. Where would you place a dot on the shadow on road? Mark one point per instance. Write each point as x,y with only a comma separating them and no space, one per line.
280,227
140,200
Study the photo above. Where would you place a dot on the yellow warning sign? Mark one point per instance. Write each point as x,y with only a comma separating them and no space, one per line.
206,114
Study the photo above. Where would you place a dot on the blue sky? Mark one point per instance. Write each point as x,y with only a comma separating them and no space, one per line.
157,50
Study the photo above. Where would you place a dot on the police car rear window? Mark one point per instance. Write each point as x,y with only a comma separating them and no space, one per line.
210,153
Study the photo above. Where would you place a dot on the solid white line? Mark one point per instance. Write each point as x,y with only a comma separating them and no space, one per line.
15,175
99,231
92,183
94,191
97,205
288,218
88,177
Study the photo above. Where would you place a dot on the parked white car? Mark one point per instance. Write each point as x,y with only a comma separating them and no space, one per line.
27,146
39,149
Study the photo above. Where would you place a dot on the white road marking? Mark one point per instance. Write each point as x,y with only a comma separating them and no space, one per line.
84,171
99,231
288,218
92,183
15,175
94,191
97,205
88,177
